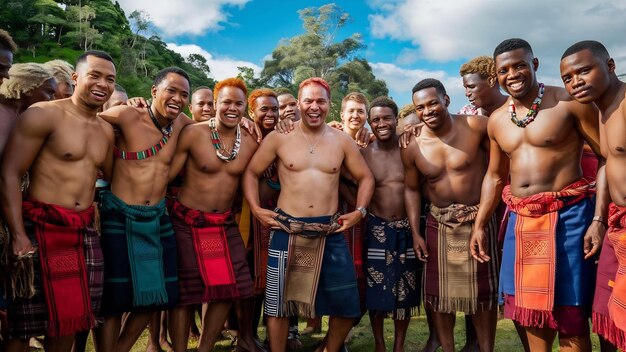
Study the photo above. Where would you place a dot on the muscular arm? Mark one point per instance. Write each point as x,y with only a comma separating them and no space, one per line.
107,166
119,115
261,160
27,139
413,197
357,167
491,192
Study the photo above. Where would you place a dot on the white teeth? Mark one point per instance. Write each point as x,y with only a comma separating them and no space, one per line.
515,85
98,93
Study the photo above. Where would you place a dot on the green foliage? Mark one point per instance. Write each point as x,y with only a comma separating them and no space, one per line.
64,29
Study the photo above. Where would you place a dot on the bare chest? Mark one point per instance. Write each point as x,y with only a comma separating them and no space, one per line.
74,142
437,158
550,129
612,136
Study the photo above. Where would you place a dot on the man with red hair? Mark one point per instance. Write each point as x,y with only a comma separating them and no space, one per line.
309,267
212,258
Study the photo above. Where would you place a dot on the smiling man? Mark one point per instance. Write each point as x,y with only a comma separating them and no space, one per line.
201,105
137,238
553,226
309,161
62,144
287,105
450,157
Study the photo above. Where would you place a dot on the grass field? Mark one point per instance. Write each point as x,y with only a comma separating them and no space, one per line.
362,340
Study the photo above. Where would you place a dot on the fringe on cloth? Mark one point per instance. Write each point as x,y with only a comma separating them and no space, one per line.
19,275
451,305
604,326
532,317
70,326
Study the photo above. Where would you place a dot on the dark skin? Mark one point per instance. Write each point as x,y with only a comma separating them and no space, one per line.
6,61
450,155
62,144
544,156
483,92
201,106
204,173
383,158
143,182
590,79
309,162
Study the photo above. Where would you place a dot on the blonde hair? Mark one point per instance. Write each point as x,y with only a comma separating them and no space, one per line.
61,70
23,79
406,110
357,97
483,65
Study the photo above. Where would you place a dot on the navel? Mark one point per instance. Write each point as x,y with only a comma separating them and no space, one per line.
310,206
67,155
619,149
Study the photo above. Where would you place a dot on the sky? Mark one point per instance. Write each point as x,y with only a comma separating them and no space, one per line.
406,40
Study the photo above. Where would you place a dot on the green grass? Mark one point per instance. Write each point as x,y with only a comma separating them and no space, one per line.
362,340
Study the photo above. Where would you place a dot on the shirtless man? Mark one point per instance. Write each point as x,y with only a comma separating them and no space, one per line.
551,206
214,154
201,105
137,237
287,106
309,161
62,144
588,73
388,238
451,156
481,87
118,97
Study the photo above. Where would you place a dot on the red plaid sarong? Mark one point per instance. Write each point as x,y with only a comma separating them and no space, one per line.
59,233
535,243
617,302
211,251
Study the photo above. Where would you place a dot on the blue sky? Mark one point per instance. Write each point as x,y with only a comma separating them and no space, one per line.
407,40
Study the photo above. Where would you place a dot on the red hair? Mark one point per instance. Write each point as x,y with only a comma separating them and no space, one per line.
230,82
315,80
257,93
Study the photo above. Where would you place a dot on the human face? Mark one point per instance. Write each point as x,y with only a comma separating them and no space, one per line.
266,112
431,107
117,98
171,96
201,106
354,115
288,107
383,122
6,61
408,120
516,72
585,76
63,90
477,89
95,81
231,105
45,92
313,102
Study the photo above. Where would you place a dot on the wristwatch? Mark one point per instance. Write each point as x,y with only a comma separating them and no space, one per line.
363,211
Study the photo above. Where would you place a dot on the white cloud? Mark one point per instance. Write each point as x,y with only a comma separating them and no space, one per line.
189,17
460,29
400,81
220,67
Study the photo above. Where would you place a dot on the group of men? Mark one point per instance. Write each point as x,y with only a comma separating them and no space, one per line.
70,265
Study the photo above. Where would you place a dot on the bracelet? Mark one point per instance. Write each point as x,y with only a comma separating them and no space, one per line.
600,219
363,211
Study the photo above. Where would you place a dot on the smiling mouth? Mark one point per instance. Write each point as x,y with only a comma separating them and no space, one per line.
99,94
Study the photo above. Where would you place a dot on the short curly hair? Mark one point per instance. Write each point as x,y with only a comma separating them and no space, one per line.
257,93
230,82
406,110
483,65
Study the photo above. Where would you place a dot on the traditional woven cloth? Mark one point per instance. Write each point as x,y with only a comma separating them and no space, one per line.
310,270
603,325
354,239
543,252
392,283
212,258
140,256
261,237
59,233
453,280
617,302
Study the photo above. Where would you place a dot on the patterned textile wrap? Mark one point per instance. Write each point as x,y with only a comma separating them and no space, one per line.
617,302
146,278
603,325
211,256
546,243
453,280
59,234
392,283
261,237
310,270
589,163
354,238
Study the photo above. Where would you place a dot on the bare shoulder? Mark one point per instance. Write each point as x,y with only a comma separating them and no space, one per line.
122,113
183,120
248,140
477,123
496,117
43,115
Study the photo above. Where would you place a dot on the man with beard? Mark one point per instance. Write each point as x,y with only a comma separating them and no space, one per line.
554,229
308,163
588,73
450,155
62,144
137,237
392,283
212,258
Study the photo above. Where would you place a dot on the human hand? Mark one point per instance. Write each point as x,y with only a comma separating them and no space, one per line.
410,131
478,245
592,242
23,247
251,128
419,247
284,126
348,220
336,125
363,137
266,217
137,102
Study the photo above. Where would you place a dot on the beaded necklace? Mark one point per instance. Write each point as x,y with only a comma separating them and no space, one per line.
220,150
532,112
167,133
